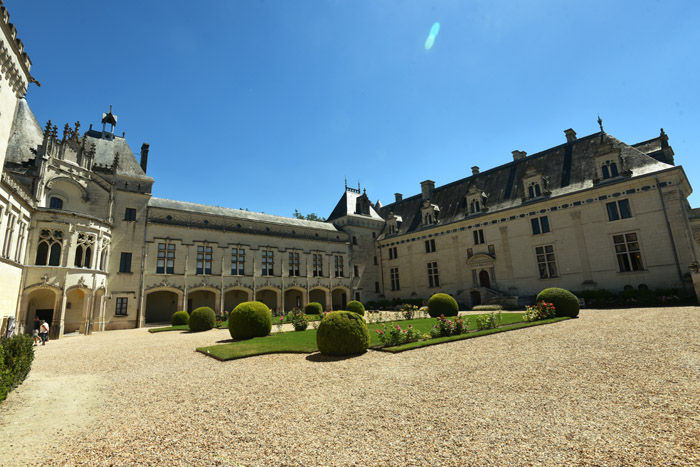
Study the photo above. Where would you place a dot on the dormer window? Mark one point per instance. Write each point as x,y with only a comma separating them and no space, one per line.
534,190
609,169
55,203
429,213
476,201
535,185
474,207
393,223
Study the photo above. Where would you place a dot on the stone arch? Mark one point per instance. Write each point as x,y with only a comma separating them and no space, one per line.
270,296
42,302
161,303
294,297
56,182
340,297
320,295
76,301
203,296
236,295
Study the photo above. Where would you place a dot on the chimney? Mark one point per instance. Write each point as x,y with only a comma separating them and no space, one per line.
570,135
398,197
144,156
475,170
427,188
517,155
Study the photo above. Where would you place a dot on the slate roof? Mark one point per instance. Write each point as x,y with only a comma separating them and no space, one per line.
568,168
26,135
238,214
106,149
348,206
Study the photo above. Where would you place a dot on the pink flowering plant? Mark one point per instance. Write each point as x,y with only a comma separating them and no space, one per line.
448,327
298,320
542,310
393,334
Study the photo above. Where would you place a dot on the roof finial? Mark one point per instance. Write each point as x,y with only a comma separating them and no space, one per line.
346,183
600,124
358,186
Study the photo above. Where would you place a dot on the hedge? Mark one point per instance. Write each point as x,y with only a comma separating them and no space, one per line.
16,356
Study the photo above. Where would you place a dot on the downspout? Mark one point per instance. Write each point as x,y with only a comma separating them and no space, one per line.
139,310
670,233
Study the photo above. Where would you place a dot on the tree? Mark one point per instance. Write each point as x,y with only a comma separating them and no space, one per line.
309,217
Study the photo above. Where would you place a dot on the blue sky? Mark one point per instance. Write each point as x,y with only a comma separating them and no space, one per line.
268,105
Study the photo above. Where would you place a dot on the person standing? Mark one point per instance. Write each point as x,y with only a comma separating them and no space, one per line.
37,325
44,332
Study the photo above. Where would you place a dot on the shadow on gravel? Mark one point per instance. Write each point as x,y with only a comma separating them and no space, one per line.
319,357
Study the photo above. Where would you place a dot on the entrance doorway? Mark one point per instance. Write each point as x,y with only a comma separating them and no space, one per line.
484,280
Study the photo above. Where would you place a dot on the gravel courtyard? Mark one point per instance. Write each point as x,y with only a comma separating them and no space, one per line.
610,388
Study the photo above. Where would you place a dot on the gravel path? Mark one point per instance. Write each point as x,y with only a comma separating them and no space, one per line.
610,388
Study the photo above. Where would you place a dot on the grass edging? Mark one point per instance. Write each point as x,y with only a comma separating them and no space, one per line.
485,332
180,327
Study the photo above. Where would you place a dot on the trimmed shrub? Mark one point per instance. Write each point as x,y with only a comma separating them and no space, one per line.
442,304
16,356
250,319
565,303
355,307
313,308
342,333
202,319
179,318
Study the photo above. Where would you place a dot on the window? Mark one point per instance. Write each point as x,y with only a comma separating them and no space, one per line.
433,277
237,261
629,257
428,219
354,240
130,214
470,252
55,203
166,258
125,262
268,263
540,225
474,206
204,256
338,266
546,264
393,253
293,263
478,237
50,242
122,304
83,251
356,270
375,261
318,264
619,210
534,190
357,296
20,242
430,245
609,170
392,229
394,275
9,231
376,287
492,250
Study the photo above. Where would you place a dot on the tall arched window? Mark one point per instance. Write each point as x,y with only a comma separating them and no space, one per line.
609,170
42,253
55,257
88,256
49,246
79,257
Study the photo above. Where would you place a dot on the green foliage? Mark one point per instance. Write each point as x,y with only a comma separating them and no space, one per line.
442,304
564,301
309,217
446,327
202,319
542,310
489,321
394,335
250,319
342,333
16,356
409,311
487,308
355,307
395,304
313,308
298,320
179,318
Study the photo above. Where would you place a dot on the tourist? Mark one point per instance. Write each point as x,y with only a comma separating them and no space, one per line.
37,325
44,332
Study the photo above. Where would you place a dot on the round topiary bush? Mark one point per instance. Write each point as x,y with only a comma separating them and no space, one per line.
202,319
313,308
250,319
179,318
442,304
356,307
565,303
342,333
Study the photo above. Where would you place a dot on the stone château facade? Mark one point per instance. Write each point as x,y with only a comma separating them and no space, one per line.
86,246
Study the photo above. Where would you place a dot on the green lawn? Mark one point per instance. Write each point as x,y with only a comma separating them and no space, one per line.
181,327
305,341
224,325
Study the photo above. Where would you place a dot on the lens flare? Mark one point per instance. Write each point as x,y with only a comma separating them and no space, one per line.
433,34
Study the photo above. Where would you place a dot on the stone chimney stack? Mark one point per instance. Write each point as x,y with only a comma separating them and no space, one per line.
570,135
475,170
144,156
427,188
398,197
517,155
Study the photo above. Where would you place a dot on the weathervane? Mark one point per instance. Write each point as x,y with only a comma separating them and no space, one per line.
600,124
